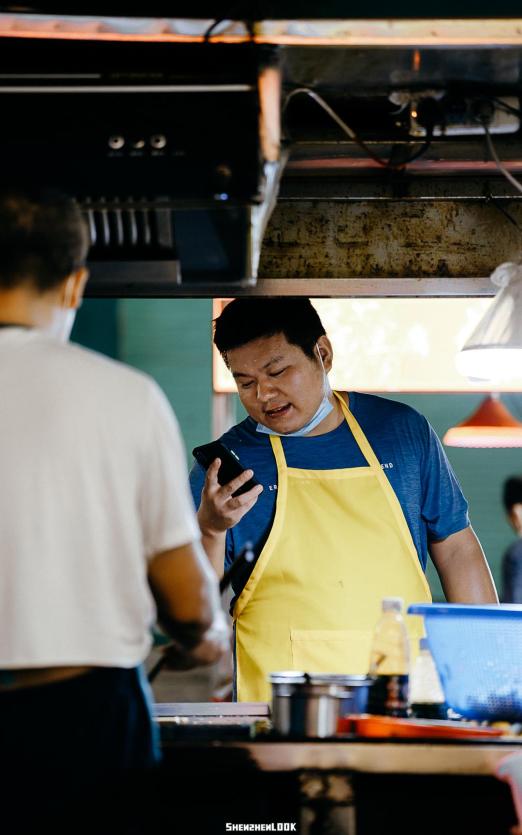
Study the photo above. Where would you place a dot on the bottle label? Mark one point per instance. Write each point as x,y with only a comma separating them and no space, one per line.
389,695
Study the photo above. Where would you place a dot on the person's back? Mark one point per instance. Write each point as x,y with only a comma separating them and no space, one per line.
97,526
512,559
85,451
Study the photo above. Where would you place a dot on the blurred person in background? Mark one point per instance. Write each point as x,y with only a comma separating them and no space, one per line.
512,559
97,534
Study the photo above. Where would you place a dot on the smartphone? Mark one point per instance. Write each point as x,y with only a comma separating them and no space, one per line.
230,464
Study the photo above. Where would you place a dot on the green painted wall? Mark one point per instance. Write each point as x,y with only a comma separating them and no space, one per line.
96,326
170,339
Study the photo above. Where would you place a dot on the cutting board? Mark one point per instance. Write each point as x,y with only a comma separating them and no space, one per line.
387,726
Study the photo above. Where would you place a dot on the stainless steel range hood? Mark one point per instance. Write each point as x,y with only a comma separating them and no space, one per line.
171,150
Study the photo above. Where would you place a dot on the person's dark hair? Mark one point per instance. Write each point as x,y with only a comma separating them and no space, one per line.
244,320
43,239
512,492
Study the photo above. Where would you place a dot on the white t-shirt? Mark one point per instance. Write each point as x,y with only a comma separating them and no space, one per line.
93,482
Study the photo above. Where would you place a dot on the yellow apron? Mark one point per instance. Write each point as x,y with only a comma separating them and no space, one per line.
339,543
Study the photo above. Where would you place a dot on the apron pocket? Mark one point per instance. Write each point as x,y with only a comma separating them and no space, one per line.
331,651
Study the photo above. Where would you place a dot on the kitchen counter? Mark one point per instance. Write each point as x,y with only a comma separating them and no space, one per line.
390,756
366,785
244,726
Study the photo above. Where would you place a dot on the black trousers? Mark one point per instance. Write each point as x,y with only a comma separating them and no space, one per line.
78,756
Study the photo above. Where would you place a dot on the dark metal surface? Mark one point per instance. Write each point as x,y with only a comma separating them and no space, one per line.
361,287
225,709
209,721
272,9
356,69
482,184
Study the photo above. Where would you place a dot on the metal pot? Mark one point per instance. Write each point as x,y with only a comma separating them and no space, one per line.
355,691
309,704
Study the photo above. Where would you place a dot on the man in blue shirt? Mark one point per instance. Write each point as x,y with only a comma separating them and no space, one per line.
355,491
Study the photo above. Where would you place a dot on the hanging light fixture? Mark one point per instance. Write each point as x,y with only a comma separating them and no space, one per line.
494,350
491,425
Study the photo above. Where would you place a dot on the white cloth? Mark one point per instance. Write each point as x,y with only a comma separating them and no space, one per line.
93,481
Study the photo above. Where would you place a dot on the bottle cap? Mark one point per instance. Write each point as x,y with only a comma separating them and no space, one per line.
392,604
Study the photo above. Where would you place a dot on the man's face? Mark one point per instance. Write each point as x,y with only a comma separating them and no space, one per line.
278,384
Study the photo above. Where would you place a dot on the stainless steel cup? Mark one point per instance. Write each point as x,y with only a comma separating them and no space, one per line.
309,704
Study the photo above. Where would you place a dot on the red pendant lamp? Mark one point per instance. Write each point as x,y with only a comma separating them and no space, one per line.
491,425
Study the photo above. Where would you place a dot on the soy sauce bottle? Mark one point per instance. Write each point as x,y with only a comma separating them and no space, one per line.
390,662
426,693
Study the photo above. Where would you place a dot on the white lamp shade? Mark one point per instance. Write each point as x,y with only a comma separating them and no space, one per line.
494,349
494,364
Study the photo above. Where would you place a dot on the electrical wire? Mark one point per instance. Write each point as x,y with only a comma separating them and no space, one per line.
500,208
424,147
214,25
503,105
249,26
352,134
235,12
514,182
337,119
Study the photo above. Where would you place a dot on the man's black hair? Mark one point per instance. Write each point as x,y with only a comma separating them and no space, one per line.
244,320
512,492
43,239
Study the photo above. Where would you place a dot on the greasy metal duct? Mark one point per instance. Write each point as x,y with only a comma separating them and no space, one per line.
372,195
387,238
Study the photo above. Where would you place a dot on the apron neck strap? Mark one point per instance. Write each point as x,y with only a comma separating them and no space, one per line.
358,434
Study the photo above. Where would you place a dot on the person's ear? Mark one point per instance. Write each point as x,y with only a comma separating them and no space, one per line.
73,287
324,346
515,517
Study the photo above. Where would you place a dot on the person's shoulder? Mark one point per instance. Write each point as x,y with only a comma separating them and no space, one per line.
388,421
514,551
379,408
90,376
90,362
244,434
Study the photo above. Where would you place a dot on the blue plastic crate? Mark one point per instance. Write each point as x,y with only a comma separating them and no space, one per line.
478,655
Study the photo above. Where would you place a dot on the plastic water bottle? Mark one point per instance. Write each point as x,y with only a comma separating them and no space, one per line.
390,662
426,694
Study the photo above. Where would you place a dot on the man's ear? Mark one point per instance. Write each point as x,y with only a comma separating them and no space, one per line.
73,287
324,347
515,517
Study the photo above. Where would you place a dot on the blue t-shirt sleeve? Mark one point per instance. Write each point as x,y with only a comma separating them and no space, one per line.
196,479
444,508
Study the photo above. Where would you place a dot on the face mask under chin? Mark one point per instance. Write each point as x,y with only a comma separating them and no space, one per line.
63,316
61,324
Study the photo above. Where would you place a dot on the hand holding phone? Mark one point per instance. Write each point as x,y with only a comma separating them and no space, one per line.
230,467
